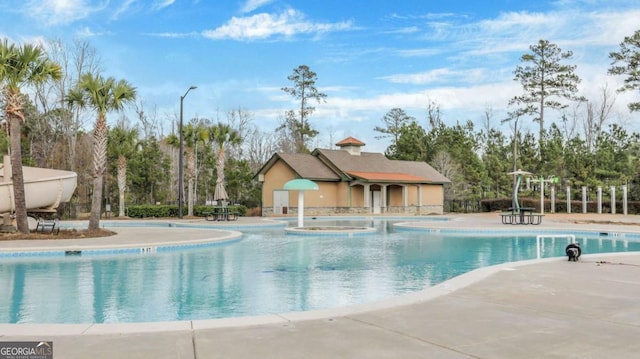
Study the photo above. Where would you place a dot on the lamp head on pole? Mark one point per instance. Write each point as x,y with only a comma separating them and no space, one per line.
189,89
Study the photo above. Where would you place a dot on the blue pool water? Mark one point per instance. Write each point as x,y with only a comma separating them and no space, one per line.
265,272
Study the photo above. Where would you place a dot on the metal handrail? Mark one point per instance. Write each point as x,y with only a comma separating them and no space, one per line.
540,237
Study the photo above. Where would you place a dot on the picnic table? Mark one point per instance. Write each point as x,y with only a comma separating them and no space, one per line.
522,215
221,213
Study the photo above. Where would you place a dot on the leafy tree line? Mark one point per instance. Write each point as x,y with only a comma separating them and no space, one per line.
50,98
142,168
584,146
477,160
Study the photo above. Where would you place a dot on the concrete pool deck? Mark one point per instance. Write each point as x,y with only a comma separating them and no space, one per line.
535,309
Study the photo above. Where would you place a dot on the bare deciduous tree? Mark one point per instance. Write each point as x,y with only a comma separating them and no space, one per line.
598,113
149,121
239,120
260,146
444,163
433,114
75,59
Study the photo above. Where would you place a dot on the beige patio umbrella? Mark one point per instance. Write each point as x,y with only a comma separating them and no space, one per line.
220,193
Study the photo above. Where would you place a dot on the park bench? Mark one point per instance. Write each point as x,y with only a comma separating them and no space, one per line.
48,225
535,218
508,217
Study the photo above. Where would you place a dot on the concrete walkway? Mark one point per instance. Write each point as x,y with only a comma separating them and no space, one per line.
536,309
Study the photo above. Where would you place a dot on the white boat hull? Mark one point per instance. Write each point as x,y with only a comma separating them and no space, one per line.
44,189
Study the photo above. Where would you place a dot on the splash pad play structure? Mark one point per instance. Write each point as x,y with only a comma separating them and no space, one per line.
302,185
44,189
347,231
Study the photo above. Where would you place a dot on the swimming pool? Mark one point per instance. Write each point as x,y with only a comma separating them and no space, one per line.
265,272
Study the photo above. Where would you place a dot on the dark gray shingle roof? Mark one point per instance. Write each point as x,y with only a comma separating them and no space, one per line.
377,162
334,165
308,166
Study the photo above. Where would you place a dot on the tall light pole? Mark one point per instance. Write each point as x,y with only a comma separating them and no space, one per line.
180,156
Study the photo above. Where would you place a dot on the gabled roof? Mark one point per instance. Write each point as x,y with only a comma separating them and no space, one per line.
304,165
370,162
366,161
337,165
422,169
387,177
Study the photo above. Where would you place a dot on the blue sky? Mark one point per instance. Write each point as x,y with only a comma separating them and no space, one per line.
369,55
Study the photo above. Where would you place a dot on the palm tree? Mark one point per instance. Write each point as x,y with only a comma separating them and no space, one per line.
174,141
222,135
25,65
192,135
102,95
122,144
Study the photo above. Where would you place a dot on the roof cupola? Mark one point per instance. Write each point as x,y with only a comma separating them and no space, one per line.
351,145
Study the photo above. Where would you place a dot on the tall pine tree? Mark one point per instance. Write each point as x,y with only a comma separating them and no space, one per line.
545,80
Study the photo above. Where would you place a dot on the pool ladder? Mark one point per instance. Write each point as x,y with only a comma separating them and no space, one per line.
540,238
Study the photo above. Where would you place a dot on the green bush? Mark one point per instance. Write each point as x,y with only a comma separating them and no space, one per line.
154,211
157,211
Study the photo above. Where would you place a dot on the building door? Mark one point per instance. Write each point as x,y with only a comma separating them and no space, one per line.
375,201
280,202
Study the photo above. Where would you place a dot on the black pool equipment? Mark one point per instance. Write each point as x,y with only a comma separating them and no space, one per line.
573,251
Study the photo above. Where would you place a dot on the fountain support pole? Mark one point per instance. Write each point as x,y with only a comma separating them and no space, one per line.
300,208
301,185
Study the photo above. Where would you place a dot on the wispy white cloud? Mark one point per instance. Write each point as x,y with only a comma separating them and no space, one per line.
427,16
516,31
251,5
456,103
403,30
418,52
497,43
128,7
60,12
347,54
85,32
262,26
588,4
122,9
464,90
161,4
174,35
440,75
37,40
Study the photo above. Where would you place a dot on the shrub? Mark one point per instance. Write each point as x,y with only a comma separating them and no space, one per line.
157,211
152,211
